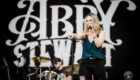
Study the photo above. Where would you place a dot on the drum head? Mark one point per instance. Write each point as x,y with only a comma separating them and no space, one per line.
51,75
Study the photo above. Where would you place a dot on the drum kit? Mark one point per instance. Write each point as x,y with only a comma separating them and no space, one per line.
51,75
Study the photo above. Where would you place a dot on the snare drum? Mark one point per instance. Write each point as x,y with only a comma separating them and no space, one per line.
51,75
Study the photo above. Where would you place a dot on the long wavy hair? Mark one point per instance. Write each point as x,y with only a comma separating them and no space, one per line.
95,23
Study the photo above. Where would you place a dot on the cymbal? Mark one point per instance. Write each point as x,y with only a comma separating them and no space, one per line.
79,61
67,70
43,59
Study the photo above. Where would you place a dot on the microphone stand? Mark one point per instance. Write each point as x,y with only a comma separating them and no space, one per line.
25,52
72,59
73,40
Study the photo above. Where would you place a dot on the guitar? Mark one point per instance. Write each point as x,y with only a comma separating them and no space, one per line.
5,62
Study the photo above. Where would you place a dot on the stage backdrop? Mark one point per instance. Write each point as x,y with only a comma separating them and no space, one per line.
40,28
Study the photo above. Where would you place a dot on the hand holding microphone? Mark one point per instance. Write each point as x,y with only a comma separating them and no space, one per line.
90,26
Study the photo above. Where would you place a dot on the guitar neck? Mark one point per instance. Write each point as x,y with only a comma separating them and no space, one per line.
5,62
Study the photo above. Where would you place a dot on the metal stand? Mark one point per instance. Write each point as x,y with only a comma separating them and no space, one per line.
24,53
40,68
40,73
72,58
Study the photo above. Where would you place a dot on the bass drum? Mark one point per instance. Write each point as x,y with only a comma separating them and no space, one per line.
50,75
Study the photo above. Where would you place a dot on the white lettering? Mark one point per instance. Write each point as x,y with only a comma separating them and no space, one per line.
62,50
68,26
19,55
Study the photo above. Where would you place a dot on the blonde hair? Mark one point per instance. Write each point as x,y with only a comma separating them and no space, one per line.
95,23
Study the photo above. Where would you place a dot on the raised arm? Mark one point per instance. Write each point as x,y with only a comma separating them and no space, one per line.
76,36
100,40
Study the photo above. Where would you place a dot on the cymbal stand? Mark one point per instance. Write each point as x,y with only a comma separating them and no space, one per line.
40,67
29,76
25,52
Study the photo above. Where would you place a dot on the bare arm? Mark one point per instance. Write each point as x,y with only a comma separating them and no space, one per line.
76,36
100,40
67,78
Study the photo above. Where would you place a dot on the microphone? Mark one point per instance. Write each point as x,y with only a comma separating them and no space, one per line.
90,26
73,40
30,74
